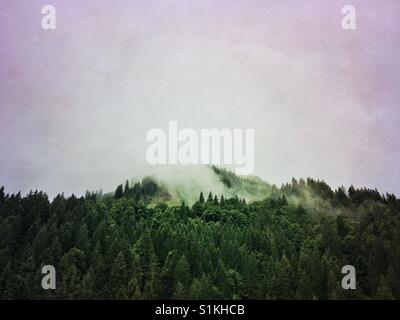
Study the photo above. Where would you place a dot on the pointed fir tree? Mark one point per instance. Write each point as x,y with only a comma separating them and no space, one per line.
201,198
119,192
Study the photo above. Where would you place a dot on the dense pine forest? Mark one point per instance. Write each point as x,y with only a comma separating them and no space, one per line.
291,244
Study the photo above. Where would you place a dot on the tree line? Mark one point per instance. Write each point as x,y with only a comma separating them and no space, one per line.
290,245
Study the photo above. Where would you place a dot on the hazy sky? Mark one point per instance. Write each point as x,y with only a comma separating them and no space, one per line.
76,102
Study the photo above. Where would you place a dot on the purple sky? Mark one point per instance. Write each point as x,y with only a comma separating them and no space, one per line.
76,102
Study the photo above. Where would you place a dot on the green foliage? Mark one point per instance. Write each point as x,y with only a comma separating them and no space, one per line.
291,245
119,192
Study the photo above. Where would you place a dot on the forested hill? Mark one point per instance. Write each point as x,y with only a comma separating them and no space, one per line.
137,244
186,183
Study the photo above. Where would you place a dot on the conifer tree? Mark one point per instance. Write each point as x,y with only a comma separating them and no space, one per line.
119,192
201,198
